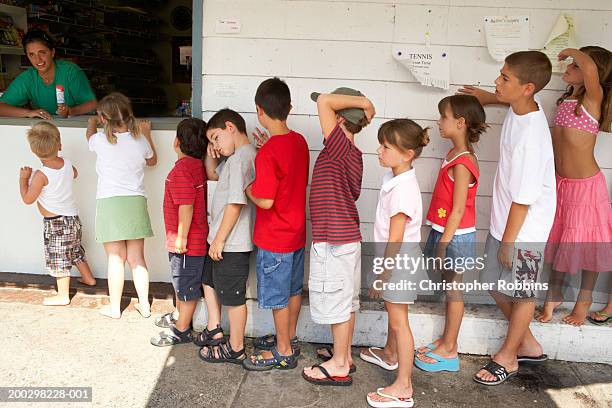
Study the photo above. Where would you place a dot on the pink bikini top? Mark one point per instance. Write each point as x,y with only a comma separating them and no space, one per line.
566,117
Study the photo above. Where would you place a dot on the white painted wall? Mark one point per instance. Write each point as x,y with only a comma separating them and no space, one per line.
320,45
21,241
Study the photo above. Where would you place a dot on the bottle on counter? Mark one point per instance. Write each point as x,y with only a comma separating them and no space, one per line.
59,96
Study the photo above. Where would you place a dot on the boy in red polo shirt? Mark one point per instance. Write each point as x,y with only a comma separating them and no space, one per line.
186,227
279,192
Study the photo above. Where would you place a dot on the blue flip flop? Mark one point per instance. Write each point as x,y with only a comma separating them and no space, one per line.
441,364
430,346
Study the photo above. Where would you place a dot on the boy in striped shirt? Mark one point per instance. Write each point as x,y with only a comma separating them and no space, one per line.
335,255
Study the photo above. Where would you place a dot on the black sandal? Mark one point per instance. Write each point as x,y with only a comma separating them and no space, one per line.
329,379
206,336
500,373
221,352
172,338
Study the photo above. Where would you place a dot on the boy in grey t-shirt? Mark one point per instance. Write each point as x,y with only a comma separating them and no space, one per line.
226,268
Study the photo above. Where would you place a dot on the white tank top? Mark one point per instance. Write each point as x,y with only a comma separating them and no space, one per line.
56,196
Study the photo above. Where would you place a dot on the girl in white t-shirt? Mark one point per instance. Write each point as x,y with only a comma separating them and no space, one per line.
397,226
123,149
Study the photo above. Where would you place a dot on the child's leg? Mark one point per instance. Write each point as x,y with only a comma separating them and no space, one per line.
62,298
282,325
389,352
518,327
554,297
116,253
295,306
186,310
87,277
398,323
213,309
584,301
447,345
237,316
530,347
140,274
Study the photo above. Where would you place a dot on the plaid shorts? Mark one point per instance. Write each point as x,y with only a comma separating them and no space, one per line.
63,247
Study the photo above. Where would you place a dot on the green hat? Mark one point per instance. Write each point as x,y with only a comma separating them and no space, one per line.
353,115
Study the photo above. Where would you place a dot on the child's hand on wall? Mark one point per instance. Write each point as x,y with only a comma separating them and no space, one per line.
260,138
145,126
25,173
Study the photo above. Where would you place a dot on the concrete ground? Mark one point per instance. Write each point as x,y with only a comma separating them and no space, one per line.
75,346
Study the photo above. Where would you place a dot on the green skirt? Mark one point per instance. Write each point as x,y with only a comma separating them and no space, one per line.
122,218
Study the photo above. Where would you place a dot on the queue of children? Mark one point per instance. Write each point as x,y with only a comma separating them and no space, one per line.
548,192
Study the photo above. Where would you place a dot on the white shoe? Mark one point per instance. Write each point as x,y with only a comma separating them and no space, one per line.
370,357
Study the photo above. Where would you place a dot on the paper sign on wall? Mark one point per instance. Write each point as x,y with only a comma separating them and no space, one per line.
228,26
561,37
506,34
429,65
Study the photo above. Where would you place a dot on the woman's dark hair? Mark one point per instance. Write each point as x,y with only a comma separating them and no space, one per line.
38,35
191,134
468,108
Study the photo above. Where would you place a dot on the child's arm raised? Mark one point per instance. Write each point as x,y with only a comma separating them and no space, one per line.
329,104
230,217
484,97
92,127
211,161
184,223
594,92
30,191
145,126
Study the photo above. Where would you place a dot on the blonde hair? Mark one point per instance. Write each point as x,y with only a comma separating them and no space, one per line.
603,61
44,139
116,109
404,134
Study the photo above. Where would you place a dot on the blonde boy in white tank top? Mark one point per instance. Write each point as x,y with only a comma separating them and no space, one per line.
51,188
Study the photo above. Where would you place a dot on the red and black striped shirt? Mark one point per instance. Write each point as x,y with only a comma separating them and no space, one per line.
336,185
186,185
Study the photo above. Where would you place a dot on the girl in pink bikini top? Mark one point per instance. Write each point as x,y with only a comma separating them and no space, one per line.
571,112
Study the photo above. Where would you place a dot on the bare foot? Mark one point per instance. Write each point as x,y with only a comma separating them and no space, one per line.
322,351
393,390
579,313
390,360
509,365
545,314
425,349
88,282
56,301
145,311
332,369
106,311
441,351
530,350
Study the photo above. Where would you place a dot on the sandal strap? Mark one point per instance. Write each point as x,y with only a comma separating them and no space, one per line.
391,397
281,360
495,369
323,371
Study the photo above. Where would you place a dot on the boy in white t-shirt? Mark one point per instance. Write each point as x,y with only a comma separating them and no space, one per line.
51,189
522,211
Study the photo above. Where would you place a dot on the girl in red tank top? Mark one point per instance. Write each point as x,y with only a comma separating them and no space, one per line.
452,215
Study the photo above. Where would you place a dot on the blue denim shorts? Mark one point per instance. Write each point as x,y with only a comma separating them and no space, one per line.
280,275
460,248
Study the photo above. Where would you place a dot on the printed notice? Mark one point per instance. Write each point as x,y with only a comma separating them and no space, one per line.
506,34
561,37
429,65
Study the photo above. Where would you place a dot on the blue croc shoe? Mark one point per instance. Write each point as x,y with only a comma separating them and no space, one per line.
441,364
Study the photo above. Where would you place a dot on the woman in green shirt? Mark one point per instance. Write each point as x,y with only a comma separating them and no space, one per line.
37,85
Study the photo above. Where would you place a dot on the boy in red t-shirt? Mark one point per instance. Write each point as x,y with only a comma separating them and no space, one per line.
186,227
279,192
